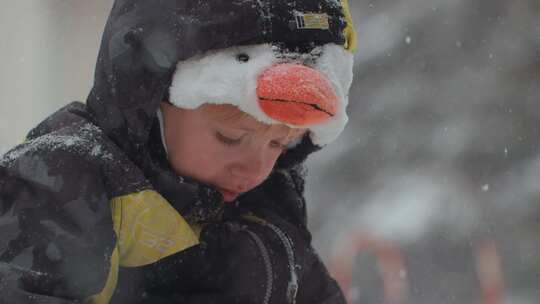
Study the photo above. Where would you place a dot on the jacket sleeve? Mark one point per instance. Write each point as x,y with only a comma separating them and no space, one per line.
259,254
56,229
280,201
317,285
12,293
243,260
313,282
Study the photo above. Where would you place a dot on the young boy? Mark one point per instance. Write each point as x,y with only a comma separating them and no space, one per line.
180,180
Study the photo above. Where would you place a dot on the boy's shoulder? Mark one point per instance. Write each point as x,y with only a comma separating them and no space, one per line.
68,148
68,129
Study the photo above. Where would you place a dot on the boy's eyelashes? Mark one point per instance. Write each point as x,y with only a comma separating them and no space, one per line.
228,140
278,145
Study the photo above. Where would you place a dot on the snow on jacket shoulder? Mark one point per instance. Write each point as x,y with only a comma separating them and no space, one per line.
73,209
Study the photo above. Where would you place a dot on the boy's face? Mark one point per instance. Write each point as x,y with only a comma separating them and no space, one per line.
234,156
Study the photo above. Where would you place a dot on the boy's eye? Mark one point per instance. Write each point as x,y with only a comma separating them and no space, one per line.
227,140
278,145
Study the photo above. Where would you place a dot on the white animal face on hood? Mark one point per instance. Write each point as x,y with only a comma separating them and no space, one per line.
231,76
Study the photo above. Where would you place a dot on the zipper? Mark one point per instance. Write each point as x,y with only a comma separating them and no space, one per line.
292,288
267,264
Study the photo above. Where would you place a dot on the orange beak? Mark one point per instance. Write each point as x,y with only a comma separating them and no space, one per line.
296,95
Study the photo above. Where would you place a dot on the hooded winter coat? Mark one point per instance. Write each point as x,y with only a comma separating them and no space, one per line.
91,211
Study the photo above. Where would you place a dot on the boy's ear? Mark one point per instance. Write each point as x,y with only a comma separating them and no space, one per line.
167,106
164,103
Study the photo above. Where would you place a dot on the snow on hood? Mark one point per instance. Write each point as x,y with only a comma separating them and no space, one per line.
218,78
143,42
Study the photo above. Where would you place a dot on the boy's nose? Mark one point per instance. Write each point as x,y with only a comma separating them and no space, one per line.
296,94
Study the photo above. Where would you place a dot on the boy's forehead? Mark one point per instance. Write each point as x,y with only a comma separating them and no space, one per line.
250,124
231,116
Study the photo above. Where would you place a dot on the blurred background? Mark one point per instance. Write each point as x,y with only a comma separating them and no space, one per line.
431,195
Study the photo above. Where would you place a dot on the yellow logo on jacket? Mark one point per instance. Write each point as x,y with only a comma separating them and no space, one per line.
149,229
311,21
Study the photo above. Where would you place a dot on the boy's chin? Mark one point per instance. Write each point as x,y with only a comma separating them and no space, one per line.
228,196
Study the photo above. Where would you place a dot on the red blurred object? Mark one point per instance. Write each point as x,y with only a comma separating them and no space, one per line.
389,261
488,268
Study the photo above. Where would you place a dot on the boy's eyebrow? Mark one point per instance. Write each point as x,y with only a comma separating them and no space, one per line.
249,129
252,130
246,129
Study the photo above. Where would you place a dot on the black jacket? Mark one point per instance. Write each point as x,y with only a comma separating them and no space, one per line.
91,211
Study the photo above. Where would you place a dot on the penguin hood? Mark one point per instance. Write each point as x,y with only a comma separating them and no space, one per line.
282,61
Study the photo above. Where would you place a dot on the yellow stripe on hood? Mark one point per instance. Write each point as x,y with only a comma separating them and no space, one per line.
350,33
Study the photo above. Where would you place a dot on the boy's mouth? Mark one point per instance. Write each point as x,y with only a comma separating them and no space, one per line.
228,195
